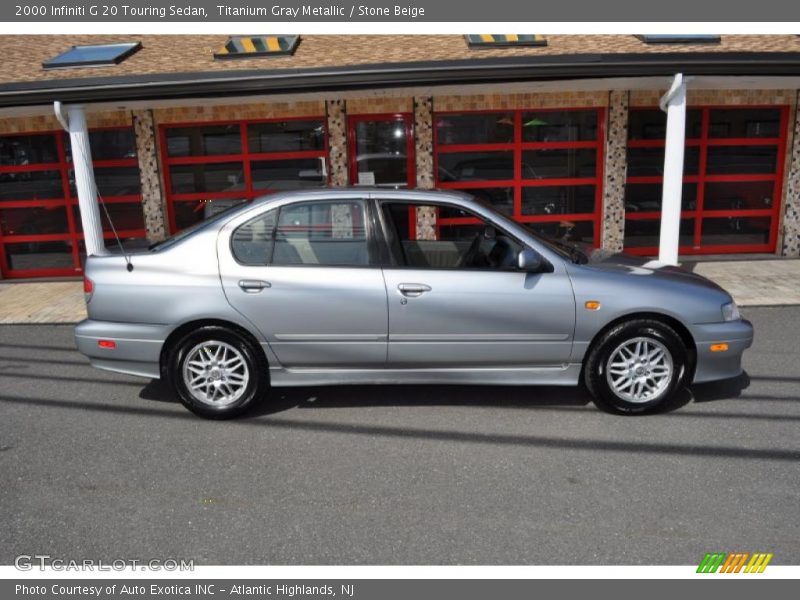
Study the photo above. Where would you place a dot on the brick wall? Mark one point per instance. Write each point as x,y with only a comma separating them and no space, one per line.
519,101
790,225
379,105
236,112
39,123
337,142
155,220
717,97
614,170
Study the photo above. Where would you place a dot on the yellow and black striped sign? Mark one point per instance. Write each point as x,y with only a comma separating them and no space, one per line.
494,40
248,46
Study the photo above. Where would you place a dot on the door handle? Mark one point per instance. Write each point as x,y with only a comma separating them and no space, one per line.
253,286
412,290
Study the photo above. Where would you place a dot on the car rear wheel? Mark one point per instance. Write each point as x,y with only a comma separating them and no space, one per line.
636,367
217,373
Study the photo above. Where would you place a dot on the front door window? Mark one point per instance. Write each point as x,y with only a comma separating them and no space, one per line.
459,240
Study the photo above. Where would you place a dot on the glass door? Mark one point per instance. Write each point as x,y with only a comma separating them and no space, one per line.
381,150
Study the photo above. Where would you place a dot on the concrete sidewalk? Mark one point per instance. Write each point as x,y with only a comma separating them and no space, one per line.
751,282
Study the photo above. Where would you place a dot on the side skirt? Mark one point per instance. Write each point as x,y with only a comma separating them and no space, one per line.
557,375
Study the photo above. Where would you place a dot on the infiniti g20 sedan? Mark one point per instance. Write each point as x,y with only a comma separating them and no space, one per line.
376,286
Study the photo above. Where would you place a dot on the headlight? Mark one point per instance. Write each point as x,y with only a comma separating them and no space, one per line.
730,312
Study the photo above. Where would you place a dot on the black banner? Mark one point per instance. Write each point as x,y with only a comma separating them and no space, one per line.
479,11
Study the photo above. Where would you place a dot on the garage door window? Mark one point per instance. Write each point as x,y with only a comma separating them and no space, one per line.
40,226
542,167
733,172
210,166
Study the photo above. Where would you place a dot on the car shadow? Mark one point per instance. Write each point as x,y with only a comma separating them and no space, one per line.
502,397
727,389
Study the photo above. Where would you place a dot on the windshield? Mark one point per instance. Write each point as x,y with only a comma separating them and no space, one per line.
184,233
563,248
567,249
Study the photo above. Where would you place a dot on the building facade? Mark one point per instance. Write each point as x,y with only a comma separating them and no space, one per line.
574,157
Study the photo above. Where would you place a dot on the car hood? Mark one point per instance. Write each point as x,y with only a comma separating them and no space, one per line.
618,262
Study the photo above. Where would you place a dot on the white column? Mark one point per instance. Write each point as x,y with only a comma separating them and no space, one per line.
84,181
674,104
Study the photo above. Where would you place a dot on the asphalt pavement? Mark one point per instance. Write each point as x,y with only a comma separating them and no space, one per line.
97,465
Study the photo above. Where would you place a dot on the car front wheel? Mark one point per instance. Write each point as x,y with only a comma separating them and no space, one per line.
217,373
636,367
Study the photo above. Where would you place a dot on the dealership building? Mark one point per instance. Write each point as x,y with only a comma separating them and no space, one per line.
561,132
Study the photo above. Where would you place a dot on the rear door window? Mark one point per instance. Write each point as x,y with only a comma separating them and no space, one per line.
329,233
252,242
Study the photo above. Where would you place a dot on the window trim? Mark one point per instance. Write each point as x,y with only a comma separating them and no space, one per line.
518,182
704,142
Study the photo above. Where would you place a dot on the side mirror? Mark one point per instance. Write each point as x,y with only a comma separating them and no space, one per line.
530,261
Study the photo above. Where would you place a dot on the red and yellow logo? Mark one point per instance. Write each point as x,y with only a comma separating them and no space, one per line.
721,562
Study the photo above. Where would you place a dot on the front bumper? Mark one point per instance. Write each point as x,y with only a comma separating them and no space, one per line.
137,351
713,366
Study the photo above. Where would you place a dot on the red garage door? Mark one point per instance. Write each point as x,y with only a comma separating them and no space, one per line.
40,226
544,168
210,166
733,173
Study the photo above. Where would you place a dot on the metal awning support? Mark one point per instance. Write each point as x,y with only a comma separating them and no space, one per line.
674,104
74,123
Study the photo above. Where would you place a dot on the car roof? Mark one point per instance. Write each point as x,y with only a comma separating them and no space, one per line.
338,192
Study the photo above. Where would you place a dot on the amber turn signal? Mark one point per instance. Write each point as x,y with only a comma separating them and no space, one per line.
718,347
592,305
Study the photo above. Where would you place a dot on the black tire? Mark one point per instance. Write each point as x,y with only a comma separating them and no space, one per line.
256,369
596,364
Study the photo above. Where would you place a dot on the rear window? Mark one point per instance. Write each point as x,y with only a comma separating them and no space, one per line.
185,233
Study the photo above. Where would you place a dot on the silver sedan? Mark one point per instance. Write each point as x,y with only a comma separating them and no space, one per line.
375,286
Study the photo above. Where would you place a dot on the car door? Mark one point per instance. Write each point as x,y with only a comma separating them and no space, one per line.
448,309
305,274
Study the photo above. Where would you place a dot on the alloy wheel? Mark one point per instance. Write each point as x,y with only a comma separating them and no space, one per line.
640,369
215,373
